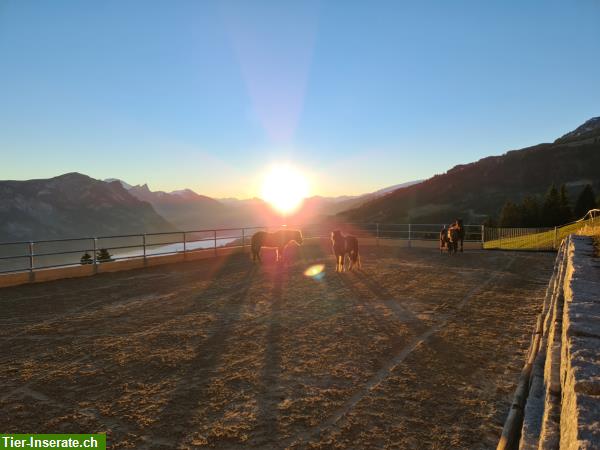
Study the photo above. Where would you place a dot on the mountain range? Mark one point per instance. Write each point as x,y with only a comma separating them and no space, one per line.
74,205
188,210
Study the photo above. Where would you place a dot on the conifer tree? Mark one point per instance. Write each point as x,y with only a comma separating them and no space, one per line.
510,215
103,256
530,212
551,212
566,214
585,201
86,259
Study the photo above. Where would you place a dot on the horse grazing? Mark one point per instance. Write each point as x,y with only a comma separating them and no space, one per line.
278,240
343,246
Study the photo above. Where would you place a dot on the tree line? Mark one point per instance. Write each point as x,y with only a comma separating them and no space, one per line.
552,210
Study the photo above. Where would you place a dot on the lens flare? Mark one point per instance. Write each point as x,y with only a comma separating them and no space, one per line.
315,271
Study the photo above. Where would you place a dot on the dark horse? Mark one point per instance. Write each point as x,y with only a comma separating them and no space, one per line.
443,238
453,238
343,246
278,240
461,232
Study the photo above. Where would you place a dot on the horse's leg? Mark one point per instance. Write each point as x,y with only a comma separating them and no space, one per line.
255,252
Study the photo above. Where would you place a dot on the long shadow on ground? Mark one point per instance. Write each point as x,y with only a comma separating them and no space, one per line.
199,373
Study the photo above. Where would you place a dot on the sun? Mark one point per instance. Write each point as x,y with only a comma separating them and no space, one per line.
284,188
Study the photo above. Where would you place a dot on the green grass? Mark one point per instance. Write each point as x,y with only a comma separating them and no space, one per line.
547,240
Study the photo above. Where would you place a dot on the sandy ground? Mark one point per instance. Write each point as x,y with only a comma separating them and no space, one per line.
417,350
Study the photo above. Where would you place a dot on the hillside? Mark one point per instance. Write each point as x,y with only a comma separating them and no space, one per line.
185,209
72,205
477,190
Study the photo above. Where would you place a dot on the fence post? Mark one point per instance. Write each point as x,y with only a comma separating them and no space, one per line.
409,235
95,240
31,261
243,240
482,235
555,238
144,246
377,234
215,239
184,244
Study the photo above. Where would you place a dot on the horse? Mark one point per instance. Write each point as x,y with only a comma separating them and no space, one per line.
453,238
278,240
352,252
443,239
461,232
338,246
343,246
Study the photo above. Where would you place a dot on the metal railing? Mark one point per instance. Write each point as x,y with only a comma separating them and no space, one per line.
537,239
44,254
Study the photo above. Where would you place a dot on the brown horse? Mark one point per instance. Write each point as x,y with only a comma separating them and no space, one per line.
453,238
343,246
278,240
461,232
443,239
352,252
338,247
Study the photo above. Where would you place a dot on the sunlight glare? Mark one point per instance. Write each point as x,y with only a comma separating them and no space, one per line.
284,188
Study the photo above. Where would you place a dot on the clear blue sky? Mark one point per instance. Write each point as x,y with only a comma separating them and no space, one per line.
360,95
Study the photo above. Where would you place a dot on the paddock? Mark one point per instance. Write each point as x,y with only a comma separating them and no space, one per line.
416,350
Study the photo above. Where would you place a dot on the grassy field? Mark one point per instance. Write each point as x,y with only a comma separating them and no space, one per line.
523,239
417,350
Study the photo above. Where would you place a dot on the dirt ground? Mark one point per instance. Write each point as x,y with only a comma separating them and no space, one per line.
417,350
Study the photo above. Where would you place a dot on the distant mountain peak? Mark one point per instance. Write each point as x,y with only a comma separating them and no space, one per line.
123,183
185,193
590,129
71,175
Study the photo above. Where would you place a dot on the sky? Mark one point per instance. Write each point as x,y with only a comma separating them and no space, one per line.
209,95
